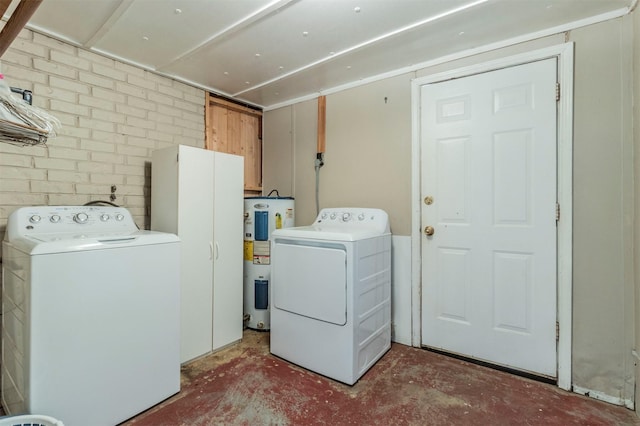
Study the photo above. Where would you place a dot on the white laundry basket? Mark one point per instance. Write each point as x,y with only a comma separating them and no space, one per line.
29,420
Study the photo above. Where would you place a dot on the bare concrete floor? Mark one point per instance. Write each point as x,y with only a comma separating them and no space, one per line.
246,385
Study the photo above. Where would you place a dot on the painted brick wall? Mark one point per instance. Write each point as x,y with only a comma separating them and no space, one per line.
113,116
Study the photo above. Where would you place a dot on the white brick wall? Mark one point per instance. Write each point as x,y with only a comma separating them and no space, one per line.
113,114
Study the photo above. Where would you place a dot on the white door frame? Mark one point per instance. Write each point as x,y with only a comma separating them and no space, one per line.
564,54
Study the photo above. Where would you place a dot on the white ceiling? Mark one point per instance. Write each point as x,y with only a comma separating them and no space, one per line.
270,52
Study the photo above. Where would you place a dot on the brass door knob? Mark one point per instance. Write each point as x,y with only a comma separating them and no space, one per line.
428,231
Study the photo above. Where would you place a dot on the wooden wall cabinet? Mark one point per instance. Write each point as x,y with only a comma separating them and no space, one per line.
236,129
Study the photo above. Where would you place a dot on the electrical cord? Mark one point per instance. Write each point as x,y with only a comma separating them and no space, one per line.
100,202
319,163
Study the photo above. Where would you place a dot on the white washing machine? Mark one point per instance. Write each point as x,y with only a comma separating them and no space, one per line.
90,315
331,292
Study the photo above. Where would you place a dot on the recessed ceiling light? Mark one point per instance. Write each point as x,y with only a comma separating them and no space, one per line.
257,55
177,11
305,33
145,38
357,9
226,73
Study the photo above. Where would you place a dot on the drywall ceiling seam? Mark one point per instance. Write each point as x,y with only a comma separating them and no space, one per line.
109,23
365,44
231,29
458,55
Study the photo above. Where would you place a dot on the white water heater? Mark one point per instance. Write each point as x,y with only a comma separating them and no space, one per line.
262,215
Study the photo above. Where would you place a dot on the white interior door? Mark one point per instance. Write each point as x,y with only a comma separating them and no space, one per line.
488,182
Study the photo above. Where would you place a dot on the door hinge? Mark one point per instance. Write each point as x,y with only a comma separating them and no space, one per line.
557,213
557,331
557,92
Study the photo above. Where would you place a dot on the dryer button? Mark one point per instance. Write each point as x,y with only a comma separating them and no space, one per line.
35,218
361,216
346,217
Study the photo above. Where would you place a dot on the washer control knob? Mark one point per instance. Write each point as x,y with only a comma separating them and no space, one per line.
81,218
104,217
333,216
119,217
324,215
346,217
35,218
361,216
54,219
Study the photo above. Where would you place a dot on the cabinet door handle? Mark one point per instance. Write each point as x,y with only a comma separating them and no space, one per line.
217,250
210,250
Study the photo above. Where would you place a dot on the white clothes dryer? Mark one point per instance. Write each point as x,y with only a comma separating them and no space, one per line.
331,292
90,315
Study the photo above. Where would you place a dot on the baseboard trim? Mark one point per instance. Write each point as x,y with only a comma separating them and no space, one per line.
601,396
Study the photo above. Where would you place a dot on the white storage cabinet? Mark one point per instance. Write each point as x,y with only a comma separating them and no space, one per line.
199,195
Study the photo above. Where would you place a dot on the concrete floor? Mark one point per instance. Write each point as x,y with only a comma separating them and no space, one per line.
246,385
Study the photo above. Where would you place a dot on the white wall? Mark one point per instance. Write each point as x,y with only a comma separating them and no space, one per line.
603,318
401,289
368,143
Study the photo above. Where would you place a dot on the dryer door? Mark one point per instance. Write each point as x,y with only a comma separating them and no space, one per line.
310,280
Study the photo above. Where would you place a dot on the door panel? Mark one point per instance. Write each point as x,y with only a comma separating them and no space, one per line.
512,298
454,180
489,165
512,178
455,278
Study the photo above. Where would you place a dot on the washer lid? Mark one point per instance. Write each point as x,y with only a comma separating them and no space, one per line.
38,244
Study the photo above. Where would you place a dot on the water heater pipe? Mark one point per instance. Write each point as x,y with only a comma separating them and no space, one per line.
322,124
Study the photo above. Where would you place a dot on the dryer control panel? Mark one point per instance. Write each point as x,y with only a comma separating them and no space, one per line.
353,218
47,220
